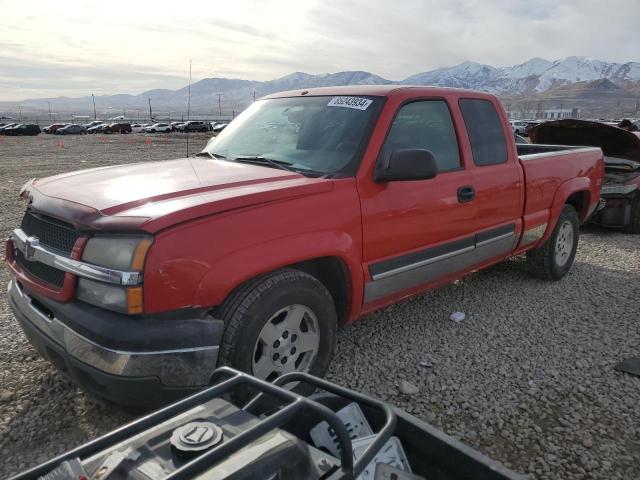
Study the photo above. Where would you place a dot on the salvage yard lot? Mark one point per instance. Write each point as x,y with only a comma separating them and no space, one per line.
527,378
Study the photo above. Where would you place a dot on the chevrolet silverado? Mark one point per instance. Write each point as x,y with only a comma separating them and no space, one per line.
310,209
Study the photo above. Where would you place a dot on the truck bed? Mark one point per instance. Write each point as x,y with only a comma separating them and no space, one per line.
548,169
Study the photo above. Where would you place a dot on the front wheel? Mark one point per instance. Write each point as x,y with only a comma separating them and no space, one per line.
283,322
554,258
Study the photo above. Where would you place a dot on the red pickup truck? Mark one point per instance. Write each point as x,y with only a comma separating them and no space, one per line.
311,209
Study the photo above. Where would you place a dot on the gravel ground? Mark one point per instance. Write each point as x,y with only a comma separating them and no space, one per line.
527,378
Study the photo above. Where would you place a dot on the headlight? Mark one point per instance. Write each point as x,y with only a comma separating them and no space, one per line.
120,252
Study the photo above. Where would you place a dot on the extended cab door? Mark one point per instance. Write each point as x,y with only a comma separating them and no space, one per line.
415,232
498,179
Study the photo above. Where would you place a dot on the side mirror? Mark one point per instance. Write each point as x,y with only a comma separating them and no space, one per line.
405,164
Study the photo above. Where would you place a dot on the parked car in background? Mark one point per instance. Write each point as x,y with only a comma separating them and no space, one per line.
518,126
96,128
50,129
621,188
138,127
21,129
93,124
158,127
72,129
220,126
194,126
7,126
117,128
176,125
324,206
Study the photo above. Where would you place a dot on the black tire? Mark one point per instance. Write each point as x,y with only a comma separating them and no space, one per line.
251,306
542,261
634,223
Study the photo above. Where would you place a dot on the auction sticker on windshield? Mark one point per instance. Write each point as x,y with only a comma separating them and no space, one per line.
350,102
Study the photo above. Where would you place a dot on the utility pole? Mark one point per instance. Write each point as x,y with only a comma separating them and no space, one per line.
189,96
254,95
93,98
219,105
20,113
150,113
49,103
188,107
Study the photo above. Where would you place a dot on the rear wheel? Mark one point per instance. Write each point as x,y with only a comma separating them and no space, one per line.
283,322
554,258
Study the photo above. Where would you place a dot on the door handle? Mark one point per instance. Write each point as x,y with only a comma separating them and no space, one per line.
466,194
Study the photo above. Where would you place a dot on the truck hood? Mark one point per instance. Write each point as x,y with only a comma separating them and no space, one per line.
614,142
137,195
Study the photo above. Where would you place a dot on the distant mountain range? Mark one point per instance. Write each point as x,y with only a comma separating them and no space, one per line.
532,78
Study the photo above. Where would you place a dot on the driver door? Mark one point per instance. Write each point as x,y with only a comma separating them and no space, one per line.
416,232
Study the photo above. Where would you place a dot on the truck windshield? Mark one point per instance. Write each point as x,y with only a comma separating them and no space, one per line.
315,135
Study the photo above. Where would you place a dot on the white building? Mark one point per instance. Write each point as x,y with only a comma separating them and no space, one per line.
560,113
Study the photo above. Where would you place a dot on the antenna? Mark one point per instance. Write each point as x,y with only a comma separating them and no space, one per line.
188,106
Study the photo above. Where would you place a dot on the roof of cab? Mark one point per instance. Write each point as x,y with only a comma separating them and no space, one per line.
373,90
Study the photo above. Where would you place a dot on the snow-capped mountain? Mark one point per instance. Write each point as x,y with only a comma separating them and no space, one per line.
531,77
465,75
535,75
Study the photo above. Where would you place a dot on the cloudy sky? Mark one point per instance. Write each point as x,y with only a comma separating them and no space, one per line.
76,48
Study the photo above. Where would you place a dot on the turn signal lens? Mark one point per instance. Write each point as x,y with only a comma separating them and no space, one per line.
140,253
134,300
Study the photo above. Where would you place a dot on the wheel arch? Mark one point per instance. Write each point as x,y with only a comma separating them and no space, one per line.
331,271
575,192
580,200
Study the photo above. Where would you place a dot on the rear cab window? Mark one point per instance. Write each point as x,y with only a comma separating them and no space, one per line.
484,128
426,124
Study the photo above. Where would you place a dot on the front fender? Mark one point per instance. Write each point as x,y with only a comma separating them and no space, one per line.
238,267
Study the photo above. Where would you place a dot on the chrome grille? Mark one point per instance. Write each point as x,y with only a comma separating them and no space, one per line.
51,232
47,274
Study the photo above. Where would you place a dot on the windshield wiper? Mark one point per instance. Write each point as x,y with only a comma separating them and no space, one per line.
262,160
215,156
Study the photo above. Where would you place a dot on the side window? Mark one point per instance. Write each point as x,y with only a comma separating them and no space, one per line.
485,131
426,124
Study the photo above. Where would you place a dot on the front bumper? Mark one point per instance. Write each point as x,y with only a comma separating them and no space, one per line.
132,361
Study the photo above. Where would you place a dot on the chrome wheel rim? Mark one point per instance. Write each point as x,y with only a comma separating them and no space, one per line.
289,341
564,243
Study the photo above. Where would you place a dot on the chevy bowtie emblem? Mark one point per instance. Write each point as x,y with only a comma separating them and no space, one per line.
29,247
